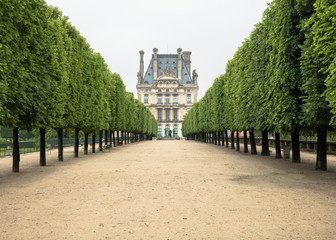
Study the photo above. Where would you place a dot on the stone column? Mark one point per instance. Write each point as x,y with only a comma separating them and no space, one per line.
179,64
155,65
141,70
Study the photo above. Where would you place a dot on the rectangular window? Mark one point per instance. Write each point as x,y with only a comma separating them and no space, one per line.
146,98
167,114
175,114
160,131
159,114
189,98
175,131
160,99
175,99
167,99
167,130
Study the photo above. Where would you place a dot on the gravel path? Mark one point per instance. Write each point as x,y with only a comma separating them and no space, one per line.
167,190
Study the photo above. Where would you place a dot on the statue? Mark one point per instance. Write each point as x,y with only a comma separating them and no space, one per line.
139,77
194,75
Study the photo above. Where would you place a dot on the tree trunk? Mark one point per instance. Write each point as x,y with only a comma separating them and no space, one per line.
60,144
277,145
111,138
253,143
114,139
100,140
117,138
93,143
226,138
232,140
42,147
218,138
238,143
106,137
264,143
16,150
76,142
321,155
86,143
222,138
245,142
296,146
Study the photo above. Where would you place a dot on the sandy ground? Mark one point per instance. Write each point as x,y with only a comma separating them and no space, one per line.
167,190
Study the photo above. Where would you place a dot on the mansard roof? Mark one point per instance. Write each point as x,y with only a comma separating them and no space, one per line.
164,62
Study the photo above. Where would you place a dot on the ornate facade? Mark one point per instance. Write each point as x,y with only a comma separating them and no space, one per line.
168,89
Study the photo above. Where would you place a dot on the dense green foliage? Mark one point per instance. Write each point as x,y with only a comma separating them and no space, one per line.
51,78
282,79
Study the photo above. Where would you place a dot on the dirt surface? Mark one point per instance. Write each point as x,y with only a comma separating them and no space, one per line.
167,190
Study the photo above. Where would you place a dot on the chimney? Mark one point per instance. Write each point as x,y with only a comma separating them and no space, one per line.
179,63
186,58
155,65
141,69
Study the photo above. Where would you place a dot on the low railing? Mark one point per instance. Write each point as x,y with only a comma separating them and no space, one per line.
6,148
170,120
306,145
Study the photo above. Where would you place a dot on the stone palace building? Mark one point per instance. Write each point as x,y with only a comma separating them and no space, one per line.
168,88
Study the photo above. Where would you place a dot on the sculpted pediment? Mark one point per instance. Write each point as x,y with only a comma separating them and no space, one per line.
167,74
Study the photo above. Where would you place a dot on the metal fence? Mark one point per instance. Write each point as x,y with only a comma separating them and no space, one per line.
6,148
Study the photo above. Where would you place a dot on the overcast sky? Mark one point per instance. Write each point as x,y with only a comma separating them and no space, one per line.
118,29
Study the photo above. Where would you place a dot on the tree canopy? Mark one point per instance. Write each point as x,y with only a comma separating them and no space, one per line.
281,79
